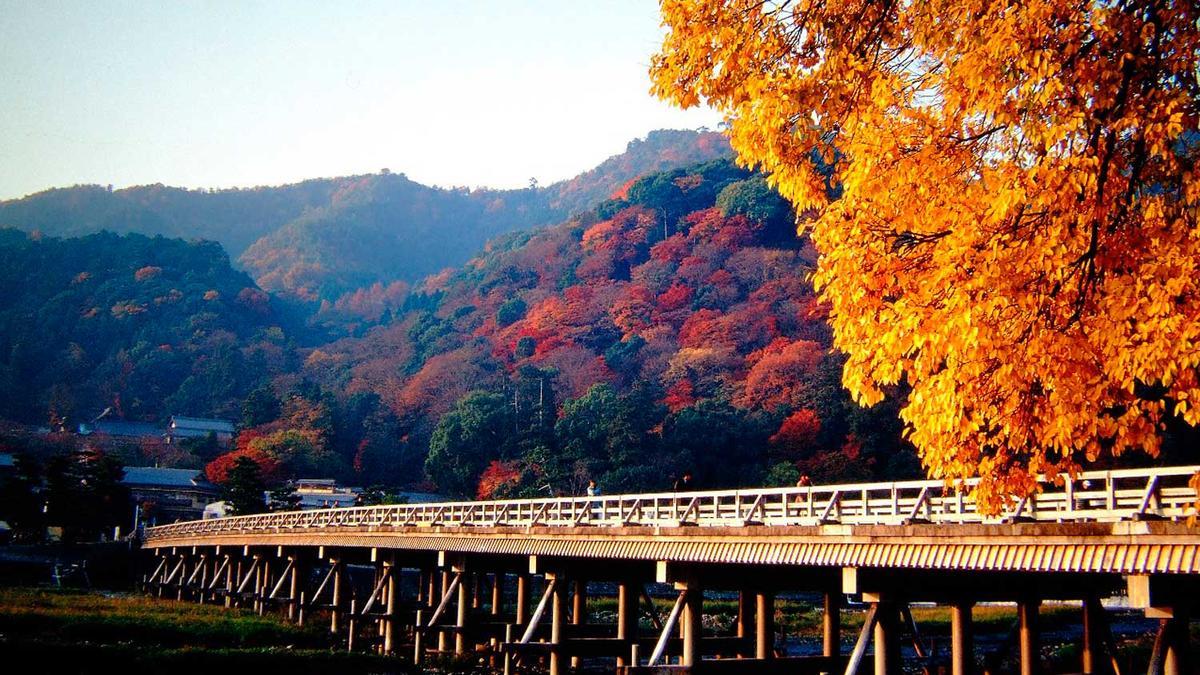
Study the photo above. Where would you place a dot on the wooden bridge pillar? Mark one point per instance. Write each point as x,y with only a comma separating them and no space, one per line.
744,623
522,608
293,609
962,638
391,593
183,573
887,637
261,579
1087,648
558,606
764,625
1027,622
578,609
497,594
232,571
627,620
443,641
335,612
464,608
831,624
692,622
1176,637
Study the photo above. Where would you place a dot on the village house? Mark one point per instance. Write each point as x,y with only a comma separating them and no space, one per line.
167,495
181,427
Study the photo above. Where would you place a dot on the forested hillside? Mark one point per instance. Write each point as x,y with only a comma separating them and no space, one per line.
669,323
663,329
324,238
147,325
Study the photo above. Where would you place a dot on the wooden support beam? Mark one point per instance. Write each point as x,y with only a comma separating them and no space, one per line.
497,594
693,625
744,624
1175,661
162,564
860,645
234,575
1027,625
464,608
962,644
1087,645
626,615
660,648
831,624
652,610
451,587
392,596
558,601
377,591
551,583
294,588
284,576
447,588
176,570
216,577
335,613
522,609
887,638
578,609
419,639
764,625
245,581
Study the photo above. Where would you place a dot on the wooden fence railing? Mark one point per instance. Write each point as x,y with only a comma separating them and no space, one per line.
1108,496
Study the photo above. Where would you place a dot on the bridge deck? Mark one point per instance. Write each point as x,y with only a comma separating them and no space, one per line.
1112,521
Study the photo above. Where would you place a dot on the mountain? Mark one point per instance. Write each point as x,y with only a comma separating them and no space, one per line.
661,327
323,238
148,326
631,343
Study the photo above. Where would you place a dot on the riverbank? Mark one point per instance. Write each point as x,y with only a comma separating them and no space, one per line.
78,631
73,631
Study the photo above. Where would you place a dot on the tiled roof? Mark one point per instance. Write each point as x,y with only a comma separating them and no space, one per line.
156,477
201,423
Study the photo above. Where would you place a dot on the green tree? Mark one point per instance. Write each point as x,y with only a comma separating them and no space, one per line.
755,200
605,436
261,406
284,498
243,489
510,312
20,501
478,428
84,494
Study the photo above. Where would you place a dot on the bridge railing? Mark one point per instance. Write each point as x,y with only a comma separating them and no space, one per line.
1091,496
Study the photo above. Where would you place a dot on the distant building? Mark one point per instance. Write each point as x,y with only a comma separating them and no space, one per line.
182,427
168,495
108,424
323,493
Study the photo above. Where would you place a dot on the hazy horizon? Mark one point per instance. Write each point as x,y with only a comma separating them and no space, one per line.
225,95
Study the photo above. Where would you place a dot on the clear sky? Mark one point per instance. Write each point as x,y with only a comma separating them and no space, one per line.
241,93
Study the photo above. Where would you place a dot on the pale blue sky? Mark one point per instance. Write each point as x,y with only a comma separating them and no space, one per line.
222,94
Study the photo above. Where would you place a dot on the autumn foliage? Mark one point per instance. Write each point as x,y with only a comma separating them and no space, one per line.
1004,200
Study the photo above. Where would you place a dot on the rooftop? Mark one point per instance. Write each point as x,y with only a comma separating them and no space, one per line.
201,423
158,477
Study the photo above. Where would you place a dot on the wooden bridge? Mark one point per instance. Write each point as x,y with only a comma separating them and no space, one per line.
460,578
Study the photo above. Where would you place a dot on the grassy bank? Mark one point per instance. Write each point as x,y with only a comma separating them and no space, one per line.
87,632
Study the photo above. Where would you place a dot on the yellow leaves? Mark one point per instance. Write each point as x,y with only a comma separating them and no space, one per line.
986,247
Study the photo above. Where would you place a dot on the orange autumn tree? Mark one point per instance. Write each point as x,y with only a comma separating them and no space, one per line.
1004,199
